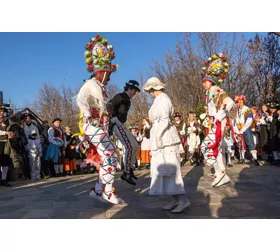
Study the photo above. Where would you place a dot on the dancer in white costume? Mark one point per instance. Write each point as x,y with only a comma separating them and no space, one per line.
91,101
165,149
219,104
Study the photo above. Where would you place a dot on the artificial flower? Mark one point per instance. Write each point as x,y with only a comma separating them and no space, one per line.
112,54
223,75
86,53
104,40
98,37
89,60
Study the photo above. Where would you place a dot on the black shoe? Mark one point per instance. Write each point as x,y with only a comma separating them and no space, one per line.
132,174
126,177
241,162
275,163
5,183
230,165
256,162
183,162
147,166
193,162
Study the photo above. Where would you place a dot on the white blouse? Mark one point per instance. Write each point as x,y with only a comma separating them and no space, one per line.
163,132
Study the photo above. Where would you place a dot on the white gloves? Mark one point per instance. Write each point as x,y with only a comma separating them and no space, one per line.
182,132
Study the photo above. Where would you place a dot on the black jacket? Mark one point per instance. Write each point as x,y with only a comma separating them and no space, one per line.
119,106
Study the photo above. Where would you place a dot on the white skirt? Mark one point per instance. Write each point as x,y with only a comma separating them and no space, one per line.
166,176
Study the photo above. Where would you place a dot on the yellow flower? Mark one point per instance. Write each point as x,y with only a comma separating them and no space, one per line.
214,57
104,40
217,66
226,70
89,60
99,53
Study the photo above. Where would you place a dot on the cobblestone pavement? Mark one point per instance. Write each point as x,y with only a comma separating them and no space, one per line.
254,192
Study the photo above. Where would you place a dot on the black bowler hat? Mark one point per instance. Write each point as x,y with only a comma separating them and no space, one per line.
56,119
134,84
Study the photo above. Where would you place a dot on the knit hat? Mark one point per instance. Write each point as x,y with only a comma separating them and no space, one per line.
215,69
99,55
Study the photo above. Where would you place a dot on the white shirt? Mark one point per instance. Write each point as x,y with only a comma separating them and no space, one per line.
163,132
91,96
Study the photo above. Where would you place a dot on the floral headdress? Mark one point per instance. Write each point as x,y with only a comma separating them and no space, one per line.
215,69
99,55
240,98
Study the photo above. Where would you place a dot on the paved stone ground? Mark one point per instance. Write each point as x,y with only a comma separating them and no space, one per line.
254,192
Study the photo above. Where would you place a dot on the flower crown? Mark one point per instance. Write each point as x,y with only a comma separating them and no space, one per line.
99,55
240,98
215,69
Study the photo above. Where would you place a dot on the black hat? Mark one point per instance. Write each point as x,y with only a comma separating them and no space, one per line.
177,114
4,108
273,104
134,84
25,114
56,119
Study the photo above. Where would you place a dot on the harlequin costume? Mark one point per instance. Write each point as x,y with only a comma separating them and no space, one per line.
242,128
219,104
91,102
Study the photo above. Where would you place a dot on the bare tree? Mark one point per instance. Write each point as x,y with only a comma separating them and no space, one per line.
54,102
181,69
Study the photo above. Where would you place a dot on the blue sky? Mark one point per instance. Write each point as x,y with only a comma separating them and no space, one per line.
27,60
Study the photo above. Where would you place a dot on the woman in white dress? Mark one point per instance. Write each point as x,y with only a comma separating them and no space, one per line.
165,146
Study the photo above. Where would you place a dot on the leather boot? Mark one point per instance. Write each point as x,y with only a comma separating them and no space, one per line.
127,177
132,174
